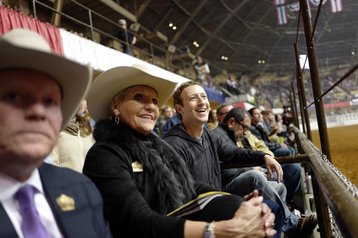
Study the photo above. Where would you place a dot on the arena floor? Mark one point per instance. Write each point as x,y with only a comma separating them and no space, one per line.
343,143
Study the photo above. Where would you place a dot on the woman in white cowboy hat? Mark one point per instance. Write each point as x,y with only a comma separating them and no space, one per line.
142,178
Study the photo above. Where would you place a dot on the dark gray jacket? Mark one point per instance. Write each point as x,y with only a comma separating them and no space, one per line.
228,174
203,157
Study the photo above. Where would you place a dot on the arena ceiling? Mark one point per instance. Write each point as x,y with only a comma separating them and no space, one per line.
246,32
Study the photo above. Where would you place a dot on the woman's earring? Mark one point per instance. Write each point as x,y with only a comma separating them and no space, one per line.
117,120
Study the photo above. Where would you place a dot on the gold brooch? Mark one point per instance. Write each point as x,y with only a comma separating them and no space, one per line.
137,167
66,203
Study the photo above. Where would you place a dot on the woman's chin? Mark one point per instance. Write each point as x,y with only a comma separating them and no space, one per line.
145,130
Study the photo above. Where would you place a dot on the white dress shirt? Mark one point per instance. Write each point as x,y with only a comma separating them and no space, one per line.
8,188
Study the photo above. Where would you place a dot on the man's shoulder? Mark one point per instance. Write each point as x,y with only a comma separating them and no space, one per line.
174,131
66,175
58,180
214,134
178,137
219,130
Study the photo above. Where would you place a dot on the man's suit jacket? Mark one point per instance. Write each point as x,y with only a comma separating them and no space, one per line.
84,219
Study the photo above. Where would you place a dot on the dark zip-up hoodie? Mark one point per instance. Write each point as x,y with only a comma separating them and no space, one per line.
203,157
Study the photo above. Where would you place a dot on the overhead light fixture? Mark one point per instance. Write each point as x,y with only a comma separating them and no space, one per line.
196,44
225,58
174,28
172,48
171,24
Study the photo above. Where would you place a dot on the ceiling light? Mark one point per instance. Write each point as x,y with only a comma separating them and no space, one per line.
353,52
170,24
196,44
174,28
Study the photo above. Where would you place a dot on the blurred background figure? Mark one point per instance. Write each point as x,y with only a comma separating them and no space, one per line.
232,86
202,70
127,38
222,110
287,117
166,113
213,121
75,140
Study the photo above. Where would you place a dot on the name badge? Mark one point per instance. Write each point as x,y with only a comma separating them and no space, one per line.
137,166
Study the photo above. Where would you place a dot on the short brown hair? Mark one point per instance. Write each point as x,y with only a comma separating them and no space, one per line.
177,93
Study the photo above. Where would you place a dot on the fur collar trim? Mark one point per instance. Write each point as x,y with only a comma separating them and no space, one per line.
173,181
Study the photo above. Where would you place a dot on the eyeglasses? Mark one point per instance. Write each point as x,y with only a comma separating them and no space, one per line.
244,126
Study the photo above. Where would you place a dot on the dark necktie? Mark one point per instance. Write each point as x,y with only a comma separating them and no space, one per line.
31,225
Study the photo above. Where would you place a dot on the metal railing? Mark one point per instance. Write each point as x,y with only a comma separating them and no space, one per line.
332,190
148,51
335,197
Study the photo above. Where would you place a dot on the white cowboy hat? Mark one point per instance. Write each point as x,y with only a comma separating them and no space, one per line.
114,80
25,49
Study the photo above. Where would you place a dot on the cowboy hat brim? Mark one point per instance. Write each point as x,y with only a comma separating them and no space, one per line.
112,81
73,78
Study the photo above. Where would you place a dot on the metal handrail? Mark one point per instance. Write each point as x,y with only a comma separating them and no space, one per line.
336,198
91,27
282,160
332,189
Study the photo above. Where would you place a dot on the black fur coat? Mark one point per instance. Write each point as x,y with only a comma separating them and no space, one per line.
168,174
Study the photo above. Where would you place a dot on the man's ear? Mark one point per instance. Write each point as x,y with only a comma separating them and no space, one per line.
178,108
230,123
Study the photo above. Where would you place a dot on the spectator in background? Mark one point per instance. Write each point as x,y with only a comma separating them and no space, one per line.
292,172
257,128
127,39
166,113
38,96
287,116
234,129
202,70
175,119
213,121
74,141
222,110
232,86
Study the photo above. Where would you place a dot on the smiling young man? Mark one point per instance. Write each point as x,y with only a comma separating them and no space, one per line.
200,147
203,150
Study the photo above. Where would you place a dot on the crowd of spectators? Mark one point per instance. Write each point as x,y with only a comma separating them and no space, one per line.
189,134
143,177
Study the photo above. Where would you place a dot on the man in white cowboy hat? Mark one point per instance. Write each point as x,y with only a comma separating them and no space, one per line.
39,93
